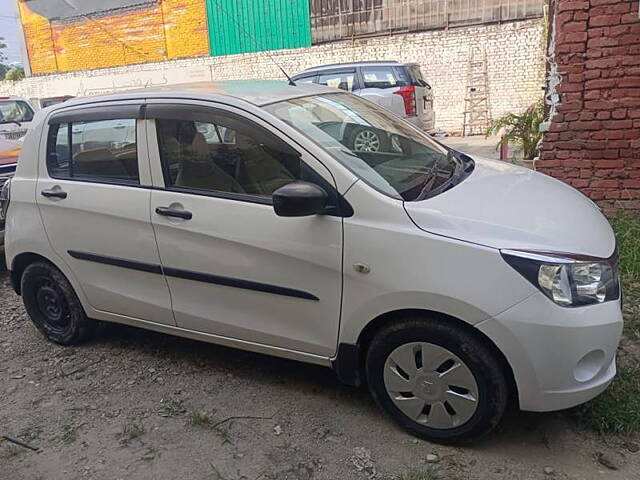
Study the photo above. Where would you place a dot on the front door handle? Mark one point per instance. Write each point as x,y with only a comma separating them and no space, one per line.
174,212
51,193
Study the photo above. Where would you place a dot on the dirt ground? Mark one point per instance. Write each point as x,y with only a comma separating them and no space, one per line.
139,405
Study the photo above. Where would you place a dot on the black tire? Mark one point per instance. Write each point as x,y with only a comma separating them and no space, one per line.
482,362
53,305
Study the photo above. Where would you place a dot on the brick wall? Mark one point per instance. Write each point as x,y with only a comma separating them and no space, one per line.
514,53
593,139
168,29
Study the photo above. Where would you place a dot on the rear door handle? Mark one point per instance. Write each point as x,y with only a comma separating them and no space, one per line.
174,212
53,193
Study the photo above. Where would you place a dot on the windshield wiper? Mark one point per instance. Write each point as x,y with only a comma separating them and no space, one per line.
448,183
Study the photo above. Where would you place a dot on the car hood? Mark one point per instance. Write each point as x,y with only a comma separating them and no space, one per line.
508,207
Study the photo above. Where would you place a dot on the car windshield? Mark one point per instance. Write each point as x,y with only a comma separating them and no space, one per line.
12,111
381,149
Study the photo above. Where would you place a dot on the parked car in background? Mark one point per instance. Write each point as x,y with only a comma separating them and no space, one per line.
9,153
399,87
240,213
16,114
40,103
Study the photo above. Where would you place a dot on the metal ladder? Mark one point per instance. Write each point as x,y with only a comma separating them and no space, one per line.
477,116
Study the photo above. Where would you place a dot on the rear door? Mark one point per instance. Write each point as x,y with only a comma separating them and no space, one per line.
93,192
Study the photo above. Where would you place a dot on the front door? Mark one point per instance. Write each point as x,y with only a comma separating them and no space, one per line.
93,193
234,268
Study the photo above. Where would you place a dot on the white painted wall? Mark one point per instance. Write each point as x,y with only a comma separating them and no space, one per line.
514,53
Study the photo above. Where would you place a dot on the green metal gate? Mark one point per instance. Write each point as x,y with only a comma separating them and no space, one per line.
241,26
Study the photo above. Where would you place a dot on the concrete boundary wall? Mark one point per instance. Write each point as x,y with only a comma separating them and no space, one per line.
514,52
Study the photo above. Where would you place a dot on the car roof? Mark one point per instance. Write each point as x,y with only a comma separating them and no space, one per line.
357,64
258,92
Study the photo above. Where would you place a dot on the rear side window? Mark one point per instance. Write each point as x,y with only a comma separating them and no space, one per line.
100,151
341,80
379,77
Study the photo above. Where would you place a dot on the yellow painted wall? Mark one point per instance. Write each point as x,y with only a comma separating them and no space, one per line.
167,30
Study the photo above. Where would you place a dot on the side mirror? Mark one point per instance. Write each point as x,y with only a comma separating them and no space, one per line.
299,199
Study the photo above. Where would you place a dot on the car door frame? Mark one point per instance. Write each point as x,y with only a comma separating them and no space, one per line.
254,114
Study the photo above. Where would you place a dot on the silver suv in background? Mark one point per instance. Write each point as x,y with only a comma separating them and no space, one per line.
399,87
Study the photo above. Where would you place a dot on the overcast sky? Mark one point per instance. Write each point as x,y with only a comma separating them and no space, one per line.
9,30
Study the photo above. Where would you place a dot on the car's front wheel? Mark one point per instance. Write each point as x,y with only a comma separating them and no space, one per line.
438,381
53,305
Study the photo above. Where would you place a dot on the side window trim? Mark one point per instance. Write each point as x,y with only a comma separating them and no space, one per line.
118,112
158,169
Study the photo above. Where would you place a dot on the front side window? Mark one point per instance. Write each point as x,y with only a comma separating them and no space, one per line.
222,153
15,111
99,151
383,150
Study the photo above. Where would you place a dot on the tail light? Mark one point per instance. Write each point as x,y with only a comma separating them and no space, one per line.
408,95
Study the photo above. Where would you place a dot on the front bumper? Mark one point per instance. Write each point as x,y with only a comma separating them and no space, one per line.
560,357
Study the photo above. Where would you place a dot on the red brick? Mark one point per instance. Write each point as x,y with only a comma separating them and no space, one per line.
617,124
629,17
602,42
599,105
569,87
586,125
565,6
612,194
558,127
592,95
629,82
631,60
604,20
603,63
579,183
608,164
603,115
595,3
574,27
607,183
572,37
634,183
591,74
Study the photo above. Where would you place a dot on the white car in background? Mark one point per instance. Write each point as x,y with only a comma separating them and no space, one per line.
239,213
16,114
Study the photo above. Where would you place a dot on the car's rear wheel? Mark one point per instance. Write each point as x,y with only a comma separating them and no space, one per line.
438,381
53,305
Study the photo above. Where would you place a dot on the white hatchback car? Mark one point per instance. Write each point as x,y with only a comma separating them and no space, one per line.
236,214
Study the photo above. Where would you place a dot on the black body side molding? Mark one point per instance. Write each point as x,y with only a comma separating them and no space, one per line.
195,276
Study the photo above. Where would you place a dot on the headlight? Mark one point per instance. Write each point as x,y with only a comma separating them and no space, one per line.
570,281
